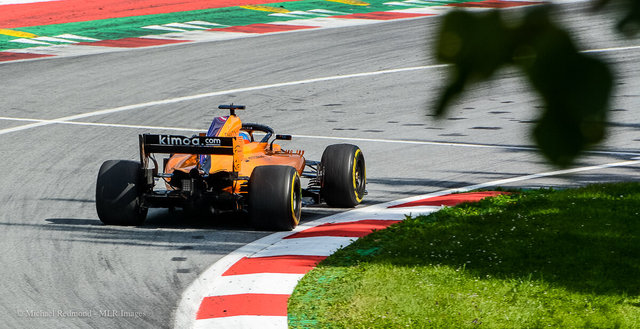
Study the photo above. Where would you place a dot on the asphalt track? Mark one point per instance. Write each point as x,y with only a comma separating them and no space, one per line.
63,269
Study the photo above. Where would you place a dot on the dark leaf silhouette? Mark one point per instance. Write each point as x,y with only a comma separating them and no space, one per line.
574,87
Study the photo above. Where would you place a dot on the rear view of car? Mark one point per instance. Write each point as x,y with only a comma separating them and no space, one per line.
234,167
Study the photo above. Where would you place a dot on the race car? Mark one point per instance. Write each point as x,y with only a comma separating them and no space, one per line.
233,167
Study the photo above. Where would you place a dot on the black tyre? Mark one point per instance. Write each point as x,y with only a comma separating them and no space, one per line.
275,198
343,175
118,193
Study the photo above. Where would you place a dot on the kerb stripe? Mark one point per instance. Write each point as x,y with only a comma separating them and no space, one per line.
243,304
449,199
292,264
356,229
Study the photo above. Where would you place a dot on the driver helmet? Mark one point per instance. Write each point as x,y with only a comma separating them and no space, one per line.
245,136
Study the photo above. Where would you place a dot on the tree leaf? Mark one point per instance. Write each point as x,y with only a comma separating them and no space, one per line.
573,87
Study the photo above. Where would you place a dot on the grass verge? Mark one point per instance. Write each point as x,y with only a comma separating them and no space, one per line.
531,259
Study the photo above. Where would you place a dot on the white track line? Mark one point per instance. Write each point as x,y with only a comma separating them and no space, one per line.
502,182
605,50
247,89
337,138
215,93
259,283
471,145
241,322
314,246
97,124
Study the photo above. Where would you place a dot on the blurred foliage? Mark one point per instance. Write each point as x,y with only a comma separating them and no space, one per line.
574,87
630,10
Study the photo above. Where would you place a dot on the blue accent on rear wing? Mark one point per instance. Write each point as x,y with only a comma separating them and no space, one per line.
216,124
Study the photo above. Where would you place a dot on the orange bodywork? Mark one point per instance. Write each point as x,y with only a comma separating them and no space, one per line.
246,156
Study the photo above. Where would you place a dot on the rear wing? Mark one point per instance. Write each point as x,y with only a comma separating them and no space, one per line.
197,145
170,144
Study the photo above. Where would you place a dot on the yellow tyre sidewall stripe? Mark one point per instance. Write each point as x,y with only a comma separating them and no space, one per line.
296,220
353,174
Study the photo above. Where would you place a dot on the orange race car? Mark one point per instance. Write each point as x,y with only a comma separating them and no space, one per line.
233,167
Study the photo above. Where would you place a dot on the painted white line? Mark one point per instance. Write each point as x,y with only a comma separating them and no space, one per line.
29,41
162,28
327,12
260,283
291,15
337,138
391,214
307,13
185,26
373,212
418,2
202,36
96,124
315,246
75,37
216,93
394,3
51,39
241,322
330,22
238,90
472,145
205,23
502,182
405,141
614,49
549,174
21,119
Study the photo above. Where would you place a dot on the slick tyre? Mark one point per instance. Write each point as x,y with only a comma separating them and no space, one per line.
275,198
118,193
343,175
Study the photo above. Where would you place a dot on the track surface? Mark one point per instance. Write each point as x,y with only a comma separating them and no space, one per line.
57,257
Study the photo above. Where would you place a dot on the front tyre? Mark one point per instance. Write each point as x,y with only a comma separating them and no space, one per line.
119,193
275,198
343,175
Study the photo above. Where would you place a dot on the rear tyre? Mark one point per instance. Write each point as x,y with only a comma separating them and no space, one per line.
119,193
343,176
275,198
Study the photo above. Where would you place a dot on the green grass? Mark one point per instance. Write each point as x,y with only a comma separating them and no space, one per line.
531,259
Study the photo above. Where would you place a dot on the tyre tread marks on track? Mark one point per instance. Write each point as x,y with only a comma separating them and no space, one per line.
249,301
224,33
